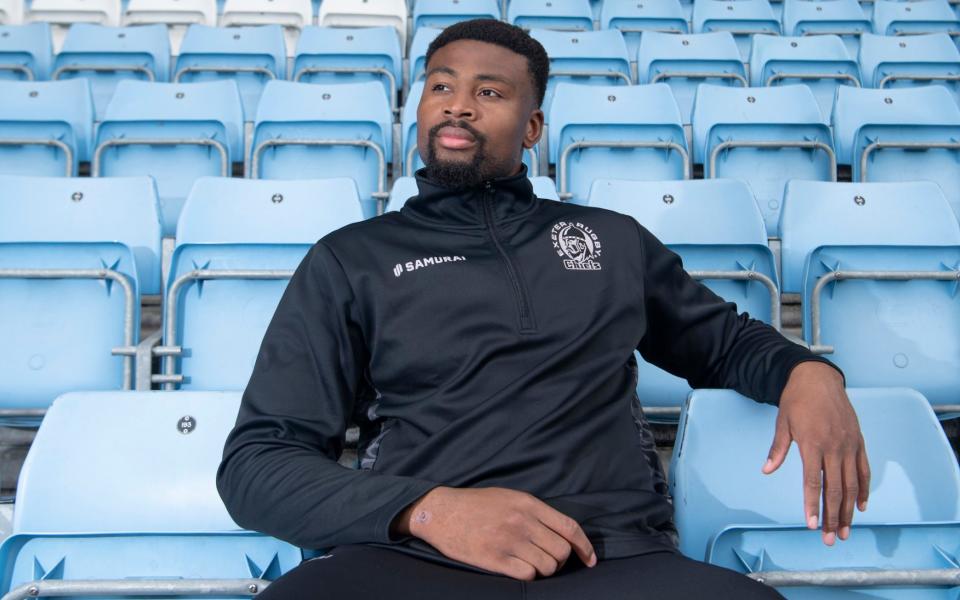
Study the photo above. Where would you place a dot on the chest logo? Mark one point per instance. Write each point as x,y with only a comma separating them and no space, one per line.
578,243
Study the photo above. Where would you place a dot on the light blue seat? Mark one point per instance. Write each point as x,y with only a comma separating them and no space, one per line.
584,57
729,514
918,60
634,18
844,18
405,188
763,136
565,15
175,132
107,55
214,322
627,132
891,17
743,18
821,63
885,333
879,134
685,61
350,55
418,53
316,131
108,233
441,13
45,127
715,226
143,505
251,56
26,52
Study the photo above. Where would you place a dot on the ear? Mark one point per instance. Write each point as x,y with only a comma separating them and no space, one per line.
534,129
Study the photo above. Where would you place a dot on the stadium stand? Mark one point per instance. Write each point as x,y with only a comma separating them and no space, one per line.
238,242
177,15
26,52
888,61
564,15
11,12
742,18
910,18
905,134
441,13
175,132
635,18
95,242
293,15
418,52
316,131
351,55
152,526
106,55
763,136
371,13
45,126
251,56
878,270
844,18
63,13
685,61
405,188
730,514
717,229
820,63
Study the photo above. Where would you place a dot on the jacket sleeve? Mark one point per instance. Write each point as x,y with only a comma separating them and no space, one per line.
279,473
694,334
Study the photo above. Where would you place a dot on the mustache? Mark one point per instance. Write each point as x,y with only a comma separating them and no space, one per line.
462,125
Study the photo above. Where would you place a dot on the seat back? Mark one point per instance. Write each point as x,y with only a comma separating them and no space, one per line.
176,16
917,60
55,117
564,15
743,18
372,13
63,13
614,115
685,61
234,224
26,51
843,18
923,16
11,12
441,13
418,54
634,19
764,136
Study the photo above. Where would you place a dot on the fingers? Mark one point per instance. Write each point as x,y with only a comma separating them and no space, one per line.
851,491
812,484
832,497
863,475
569,530
779,448
550,542
543,564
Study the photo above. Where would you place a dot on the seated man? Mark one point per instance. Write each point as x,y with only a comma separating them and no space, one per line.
482,339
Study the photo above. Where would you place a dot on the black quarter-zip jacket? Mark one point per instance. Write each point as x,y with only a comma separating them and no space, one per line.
478,338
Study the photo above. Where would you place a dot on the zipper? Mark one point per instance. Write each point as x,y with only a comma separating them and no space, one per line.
526,315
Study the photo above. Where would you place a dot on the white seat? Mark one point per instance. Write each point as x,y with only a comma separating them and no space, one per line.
369,13
177,15
11,12
63,13
293,15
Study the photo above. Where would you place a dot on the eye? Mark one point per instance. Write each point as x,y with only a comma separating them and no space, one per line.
490,93
440,87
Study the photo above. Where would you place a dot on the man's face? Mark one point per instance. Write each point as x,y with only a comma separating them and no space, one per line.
477,114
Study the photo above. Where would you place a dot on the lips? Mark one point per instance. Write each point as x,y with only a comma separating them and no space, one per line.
455,138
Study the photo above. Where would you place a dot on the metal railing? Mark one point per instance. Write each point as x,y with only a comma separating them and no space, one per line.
103,69
226,70
63,147
858,578
772,144
901,146
98,153
142,587
700,75
564,192
604,74
837,76
915,77
27,71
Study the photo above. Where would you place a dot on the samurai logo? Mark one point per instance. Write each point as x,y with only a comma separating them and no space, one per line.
578,243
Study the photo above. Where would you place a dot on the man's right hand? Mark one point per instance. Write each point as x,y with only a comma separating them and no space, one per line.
497,529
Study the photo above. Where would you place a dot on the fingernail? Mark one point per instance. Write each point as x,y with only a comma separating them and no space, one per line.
844,532
863,506
766,465
830,538
593,559
811,522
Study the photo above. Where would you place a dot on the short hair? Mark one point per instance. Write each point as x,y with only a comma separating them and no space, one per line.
501,34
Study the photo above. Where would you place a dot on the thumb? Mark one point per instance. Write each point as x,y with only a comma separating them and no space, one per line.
778,450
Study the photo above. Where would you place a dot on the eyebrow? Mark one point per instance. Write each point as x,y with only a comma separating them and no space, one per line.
481,77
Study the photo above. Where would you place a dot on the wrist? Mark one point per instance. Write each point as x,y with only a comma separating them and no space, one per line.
417,515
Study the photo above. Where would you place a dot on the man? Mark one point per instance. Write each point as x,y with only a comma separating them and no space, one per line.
483,339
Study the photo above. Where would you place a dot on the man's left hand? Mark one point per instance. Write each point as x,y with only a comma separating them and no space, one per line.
816,413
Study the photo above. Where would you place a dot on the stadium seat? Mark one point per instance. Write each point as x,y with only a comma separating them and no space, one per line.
729,514
174,132
351,55
45,127
177,15
880,332
634,18
891,17
718,231
584,57
685,61
136,523
11,12
26,52
564,15
317,130
763,136
405,188
908,134
103,236
821,63
371,13
63,13
844,18
440,13
418,52
106,55
238,242
918,60
742,18
292,15
625,132
251,56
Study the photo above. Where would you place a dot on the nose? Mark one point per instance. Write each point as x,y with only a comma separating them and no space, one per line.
459,106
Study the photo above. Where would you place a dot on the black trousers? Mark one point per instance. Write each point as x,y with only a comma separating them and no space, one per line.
379,573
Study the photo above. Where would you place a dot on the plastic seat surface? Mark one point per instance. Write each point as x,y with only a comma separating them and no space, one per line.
63,13
743,18
844,18
565,15
910,18
441,13
292,15
633,19
584,58
26,52
372,13
917,60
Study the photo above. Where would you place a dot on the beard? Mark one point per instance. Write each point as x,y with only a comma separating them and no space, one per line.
459,174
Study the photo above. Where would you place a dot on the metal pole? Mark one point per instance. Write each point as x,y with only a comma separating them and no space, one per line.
605,74
224,155
838,76
700,75
917,77
27,71
856,578
749,276
144,587
774,144
903,146
562,166
226,70
63,147
102,69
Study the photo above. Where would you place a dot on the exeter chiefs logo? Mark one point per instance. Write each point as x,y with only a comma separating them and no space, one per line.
578,243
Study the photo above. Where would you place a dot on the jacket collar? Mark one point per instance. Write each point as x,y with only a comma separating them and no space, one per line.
512,198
